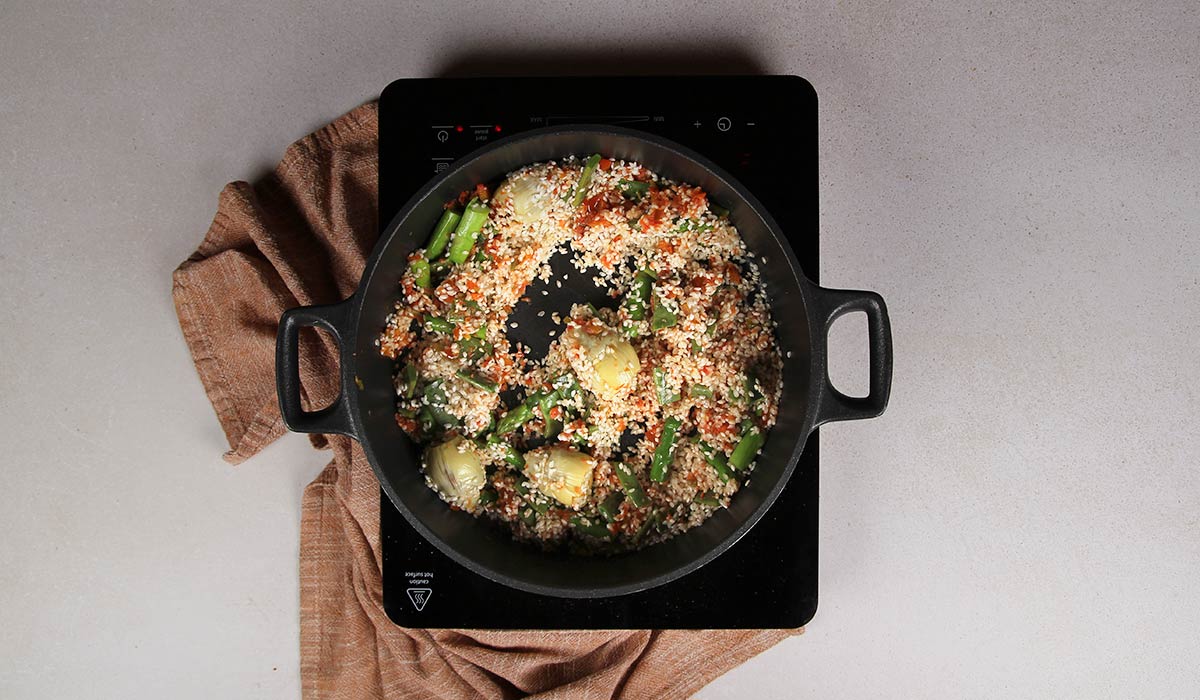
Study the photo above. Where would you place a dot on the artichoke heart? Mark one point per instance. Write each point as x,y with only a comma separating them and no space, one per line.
455,469
561,473
608,364
522,190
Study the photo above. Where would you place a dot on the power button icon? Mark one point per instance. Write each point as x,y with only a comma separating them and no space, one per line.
724,124
442,136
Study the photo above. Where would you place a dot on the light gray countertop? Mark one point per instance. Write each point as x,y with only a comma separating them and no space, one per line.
1022,184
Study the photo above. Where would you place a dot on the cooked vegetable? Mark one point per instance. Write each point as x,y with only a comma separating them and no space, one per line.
487,496
437,324
651,522
585,179
747,448
407,382
610,507
716,459
609,363
662,317
477,381
420,270
700,390
511,454
522,190
665,450
664,393
547,404
590,527
441,234
561,473
633,189
456,471
516,417
630,484
435,401
707,499
472,221
639,295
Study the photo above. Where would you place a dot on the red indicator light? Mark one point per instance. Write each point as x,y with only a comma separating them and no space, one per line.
497,127
458,128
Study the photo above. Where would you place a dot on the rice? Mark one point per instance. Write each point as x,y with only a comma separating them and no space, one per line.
701,352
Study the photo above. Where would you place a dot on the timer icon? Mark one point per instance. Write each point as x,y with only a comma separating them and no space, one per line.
724,124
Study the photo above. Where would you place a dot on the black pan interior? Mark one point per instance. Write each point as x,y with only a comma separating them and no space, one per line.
487,549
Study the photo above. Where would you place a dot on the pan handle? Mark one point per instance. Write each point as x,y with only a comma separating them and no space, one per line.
334,418
833,405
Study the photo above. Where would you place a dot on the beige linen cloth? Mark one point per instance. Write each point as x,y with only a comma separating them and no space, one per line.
302,236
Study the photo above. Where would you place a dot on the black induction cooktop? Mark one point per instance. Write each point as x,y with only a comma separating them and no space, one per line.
763,130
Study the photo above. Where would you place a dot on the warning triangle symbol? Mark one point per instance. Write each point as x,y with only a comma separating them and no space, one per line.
419,597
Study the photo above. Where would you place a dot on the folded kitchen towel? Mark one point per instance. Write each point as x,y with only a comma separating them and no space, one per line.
302,236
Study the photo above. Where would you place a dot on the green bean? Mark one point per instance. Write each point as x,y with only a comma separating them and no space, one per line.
516,417
662,316
700,390
610,507
717,210
435,399
437,324
661,461
528,516
652,520
439,267
468,228
630,484
487,496
751,442
477,381
553,427
513,456
425,418
520,487
591,529
566,385
665,397
441,234
707,499
585,179
633,189
639,295
409,387
540,507
420,270
716,459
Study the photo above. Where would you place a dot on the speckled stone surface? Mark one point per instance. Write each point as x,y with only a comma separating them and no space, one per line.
1022,184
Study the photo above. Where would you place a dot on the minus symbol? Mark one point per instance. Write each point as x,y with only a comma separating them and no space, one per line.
442,127
749,123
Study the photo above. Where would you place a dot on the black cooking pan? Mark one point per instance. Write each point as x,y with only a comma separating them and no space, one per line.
365,409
